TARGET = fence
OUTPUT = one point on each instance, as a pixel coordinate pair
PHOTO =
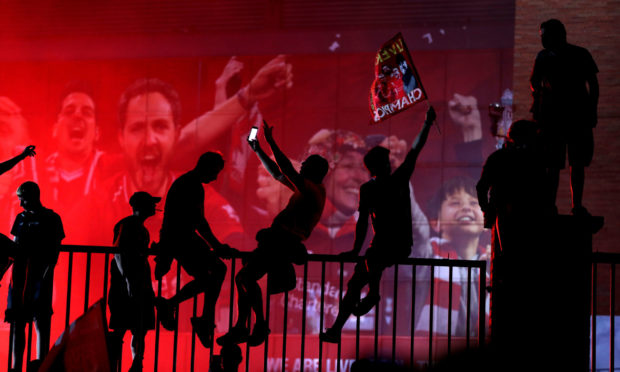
(402, 336)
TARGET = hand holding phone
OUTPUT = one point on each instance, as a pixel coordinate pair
(253, 133)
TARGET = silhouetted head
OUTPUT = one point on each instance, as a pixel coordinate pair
(522, 132)
(314, 168)
(231, 357)
(377, 161)
(552, 34)
(209, 165)
(29, 196)
(143, 203)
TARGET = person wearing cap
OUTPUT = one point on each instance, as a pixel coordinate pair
(38, 232)
(131, 297)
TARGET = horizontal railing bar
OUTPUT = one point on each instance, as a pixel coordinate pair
(311, 257)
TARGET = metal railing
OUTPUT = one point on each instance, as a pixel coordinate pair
(385, 343)
(599, 259)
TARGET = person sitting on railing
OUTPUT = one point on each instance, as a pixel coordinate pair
(131, 299)
(187, 237)
(38, 233)
(385, 198)
(280, 245)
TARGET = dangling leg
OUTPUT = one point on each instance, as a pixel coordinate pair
(137, 350)
(350, 299)
(19, 343)
(577, 179)
(42, 328)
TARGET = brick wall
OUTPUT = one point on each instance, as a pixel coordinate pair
(594, 25)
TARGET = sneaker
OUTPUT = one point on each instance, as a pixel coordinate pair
(366, 304)
(236, 335)
(135, 367)
(330, 335)
(165, 313)
(33, 365)
(259, 334)
(204, 330)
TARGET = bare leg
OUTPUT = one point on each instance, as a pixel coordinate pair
(577, 177)
(19, 342)
(350, 299)
(215, 280)
(243, 302)
(42, 327)
(137, 349)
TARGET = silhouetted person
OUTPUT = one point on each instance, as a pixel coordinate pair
(131, 299)
(228, 360)
(565, 90)
(187, 237)
(385, 199)
(512, 200)
(280, 245)
(38, 232)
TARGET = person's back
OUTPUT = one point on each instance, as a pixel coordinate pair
(303, 211)
(562, 80)
(518, 181)
(184, 208)
(563, 72)
(388, 201)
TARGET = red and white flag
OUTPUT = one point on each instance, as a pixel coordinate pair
(397, 85)
(82, 346)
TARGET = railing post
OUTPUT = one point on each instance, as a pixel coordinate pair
(593, 317)
(482, 300)
(612, 318)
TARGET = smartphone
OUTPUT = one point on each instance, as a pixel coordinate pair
(253, 133)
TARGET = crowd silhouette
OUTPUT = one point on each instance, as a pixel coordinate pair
(509, 193)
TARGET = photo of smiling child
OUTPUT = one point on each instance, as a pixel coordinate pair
(455, 216)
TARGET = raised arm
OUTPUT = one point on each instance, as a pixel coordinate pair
(269, 164)
(9, 164)
(284, 163)
(408, 165)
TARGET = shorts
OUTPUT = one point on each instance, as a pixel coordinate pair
(30, 292)
(579, 142)
(193, 254)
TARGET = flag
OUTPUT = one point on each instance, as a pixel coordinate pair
(397, 85)
(81, 347)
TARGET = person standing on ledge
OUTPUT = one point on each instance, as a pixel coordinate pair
(565, 91)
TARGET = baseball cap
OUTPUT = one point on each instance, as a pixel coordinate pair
(141, 198)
